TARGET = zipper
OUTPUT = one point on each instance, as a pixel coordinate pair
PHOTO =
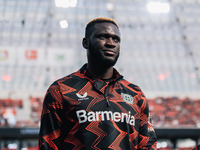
(107, 101)
(107, 95)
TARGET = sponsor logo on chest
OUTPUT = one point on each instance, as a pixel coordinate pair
(127, 98)
(84, 116)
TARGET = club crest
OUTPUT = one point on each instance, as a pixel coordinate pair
(127, 98)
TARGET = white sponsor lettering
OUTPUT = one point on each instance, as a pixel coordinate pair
(116, 116)
(81, 114)
(84, 116)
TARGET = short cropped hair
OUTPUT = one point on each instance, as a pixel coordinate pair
(97, 20)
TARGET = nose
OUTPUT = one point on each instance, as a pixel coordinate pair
(110, 43)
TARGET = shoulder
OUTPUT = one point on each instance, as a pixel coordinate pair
(69, 81)
(134, 89)
(130, 85)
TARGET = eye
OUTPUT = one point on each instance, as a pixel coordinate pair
(116, 39)
(102, 36)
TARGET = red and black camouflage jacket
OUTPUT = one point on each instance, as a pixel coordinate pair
(83, 112)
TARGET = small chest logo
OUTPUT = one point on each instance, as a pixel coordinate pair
(82, 97)
(127, 98)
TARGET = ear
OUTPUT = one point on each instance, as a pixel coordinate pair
(85, 43)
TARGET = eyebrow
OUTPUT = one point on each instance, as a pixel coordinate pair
(109, 35)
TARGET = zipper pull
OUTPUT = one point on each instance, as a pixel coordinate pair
(108, 103)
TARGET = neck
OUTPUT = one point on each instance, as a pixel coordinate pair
(100, 71)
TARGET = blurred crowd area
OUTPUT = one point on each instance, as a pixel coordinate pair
(165, 112)
(175, 112)
(14, 113)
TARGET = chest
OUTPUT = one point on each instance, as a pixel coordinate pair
(88, 102)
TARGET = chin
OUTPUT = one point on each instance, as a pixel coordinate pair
(112, 62)
(102, 60)
(108, 62)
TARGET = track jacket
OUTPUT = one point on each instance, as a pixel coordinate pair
(83, 112)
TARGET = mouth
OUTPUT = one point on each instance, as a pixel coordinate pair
(109, 52)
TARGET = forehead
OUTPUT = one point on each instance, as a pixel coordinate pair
(106, 27)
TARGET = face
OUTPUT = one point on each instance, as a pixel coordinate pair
(104, 44)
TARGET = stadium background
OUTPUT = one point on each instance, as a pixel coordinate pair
(40, 41)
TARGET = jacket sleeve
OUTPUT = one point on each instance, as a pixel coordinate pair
(147, 135)
(51, 120)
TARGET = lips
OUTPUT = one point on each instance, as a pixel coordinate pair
(109, 52)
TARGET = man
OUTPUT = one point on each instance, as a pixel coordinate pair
(95, 108)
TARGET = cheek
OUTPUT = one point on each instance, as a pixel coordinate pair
(118, 48)
(100, 43)
(97, 45)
